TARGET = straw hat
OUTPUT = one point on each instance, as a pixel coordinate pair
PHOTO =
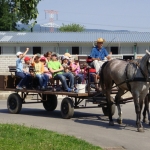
(100, 40)
(68, 55)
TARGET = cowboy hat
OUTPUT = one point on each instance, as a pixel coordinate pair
(100, 40)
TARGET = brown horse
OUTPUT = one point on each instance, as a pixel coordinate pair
(128, 76)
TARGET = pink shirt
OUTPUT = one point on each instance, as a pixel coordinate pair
(47, 72)
(77, 71)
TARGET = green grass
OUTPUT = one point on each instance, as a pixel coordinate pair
(16, 137)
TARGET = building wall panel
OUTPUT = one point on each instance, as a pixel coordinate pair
(86, 50)
(126, 50)
(8, 50)
(63, 50)
(22, 49)
(48, 49)
(141, 49)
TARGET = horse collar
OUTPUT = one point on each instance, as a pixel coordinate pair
(143, 73)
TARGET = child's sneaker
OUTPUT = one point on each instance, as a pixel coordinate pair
(24, 87)
(43, 88)
(19, 88)
(58, 88)
(70, 90)
(76, 90)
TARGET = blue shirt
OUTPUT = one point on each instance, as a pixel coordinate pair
(99, 53)
(19, 65)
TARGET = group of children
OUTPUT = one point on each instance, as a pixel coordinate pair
(48, 66)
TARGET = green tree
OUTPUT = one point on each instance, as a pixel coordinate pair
(26, 10)
(71, 28)
(13, 11)
(7, 19)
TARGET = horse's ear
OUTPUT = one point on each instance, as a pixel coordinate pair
(147, 52)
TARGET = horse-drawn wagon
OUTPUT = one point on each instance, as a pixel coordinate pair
(72, 100)
(49, 97)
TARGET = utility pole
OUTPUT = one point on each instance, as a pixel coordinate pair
(51, 23)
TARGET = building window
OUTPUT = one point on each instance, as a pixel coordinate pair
(36, 50)
(128, 57)
(75, 50)
(114, 50)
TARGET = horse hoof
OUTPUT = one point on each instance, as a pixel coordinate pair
(145, 121)
(119, 121)
(140, 130)
(111, 123)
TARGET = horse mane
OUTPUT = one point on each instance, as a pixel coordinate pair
(143, 63)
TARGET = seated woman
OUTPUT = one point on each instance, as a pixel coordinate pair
(39, 71)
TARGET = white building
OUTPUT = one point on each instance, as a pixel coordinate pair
(126, 45)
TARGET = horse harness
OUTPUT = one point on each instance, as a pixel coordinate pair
(134, 79)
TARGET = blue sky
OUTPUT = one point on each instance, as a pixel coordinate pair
(133, 15)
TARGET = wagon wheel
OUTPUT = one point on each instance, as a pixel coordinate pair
(67, 108)
(14, 103)
(50, 103)
(105, 109)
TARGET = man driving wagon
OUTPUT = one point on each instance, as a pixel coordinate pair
(98, 55)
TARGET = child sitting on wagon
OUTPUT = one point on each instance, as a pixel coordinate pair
(65, 65)
(93, 77)
(46, 70)
(19, 70)
(75, 69)
(58, 73)
(39, 71)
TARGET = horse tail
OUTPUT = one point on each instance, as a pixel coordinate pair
(101, 74)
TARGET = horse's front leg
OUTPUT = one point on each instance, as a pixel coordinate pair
(138, 106)
(117, 100)
(109, 103)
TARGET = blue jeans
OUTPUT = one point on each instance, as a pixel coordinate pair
(91, 77)
(80, 78)
(43, 79)
(29, 81)
(62, 77)
(24, 79)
